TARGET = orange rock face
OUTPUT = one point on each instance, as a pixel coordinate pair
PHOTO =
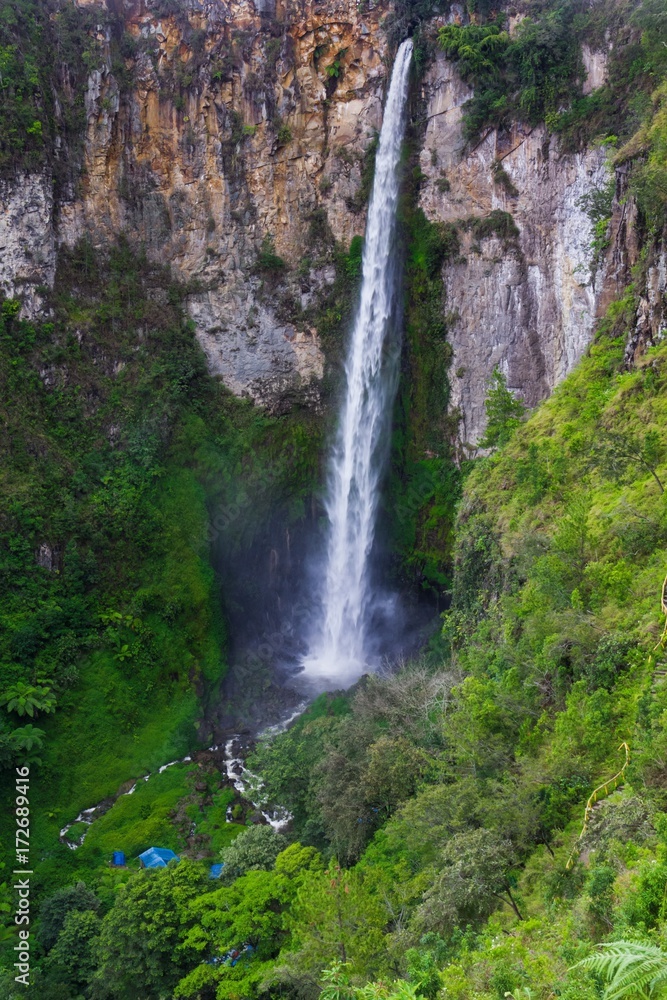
(222, 124)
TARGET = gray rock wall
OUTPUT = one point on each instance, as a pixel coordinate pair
(527, 305)
(27, 240)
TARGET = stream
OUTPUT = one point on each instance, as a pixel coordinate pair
(248, 785)
(341, 647)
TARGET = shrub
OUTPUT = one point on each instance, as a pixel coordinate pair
(256, 849)
(496, 223)
(504, 412)
(268, 260)
(500, 176)
(284, 135)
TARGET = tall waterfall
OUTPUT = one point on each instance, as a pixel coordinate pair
(338, 651)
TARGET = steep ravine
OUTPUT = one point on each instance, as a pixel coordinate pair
(186, 238)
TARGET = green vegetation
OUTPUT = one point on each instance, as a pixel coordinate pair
(528, 76)
(332, 309)
(102, 514)
(503, 412)
(649, 180)
(140, 820)
(268, 261)
(425, 481)
(256, 849)
(537, 74)
(472, 826)
(502, 178)
(46, 53)
(598, 206)
(335, 69)
(436, 810)
(117, 445)
(637, 65)
(284, 135)
(496, 223)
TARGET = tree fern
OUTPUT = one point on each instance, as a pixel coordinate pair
(632, 970)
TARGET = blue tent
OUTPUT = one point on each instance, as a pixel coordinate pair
(118, 859)
(215, 871)
(157, 857)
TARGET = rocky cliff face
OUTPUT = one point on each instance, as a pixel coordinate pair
(27, 240)
(220, 126)
(525, 299)
(217, 128)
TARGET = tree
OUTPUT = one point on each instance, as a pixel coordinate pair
(72, 958)
(504, 412)
(141, 951)
(394, 770)
(618, 451)
(630, 968)
(55, 910)
(377, 755)
(249, 912)
(287, 763)
(476, 876)
(335, 917)
(255, 849)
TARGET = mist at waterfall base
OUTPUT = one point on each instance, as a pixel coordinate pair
(280, 590)
(353, 614)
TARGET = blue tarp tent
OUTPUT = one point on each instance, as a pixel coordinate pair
(215, 871)
(118, 859)
(157, 857)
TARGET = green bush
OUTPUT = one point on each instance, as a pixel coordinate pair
(268, 261)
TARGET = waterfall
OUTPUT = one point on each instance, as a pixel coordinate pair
(338, 650)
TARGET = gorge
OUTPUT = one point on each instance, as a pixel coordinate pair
(333, 533)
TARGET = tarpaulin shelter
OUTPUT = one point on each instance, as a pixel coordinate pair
(157, 857)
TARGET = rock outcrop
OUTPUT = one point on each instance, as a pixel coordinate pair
(27, 240)
(525, 299)
(222, 127)
(214, 125)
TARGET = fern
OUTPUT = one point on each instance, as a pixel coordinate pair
(632, 970)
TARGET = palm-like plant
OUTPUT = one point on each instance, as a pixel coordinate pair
(633, 971)
(28, 738)
(25, 699)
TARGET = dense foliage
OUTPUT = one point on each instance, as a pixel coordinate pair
(435, 809)
(535, 73)
(118, 452)
(47, 50)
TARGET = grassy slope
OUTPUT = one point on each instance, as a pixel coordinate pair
(553, 556)
(114, 457)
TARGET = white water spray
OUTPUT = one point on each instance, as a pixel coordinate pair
(338, 652)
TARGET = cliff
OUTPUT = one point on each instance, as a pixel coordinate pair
(219, 131)
(523, 299)
(217, 127)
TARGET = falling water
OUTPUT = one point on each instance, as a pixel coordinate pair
(338, 652)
